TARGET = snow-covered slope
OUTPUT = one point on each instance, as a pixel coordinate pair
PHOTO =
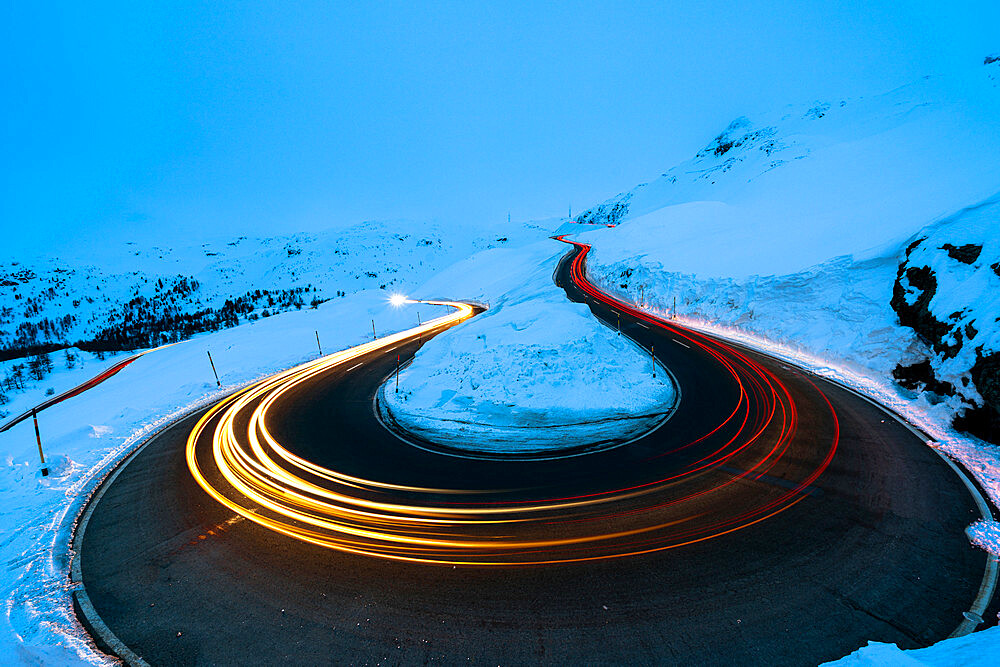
(846, 228)
(981, 649)
(126, 297)
(774, 193)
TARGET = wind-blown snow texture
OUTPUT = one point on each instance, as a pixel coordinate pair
(774, 194)
(535, 374)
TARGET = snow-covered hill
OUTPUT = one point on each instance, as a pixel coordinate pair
(863, 231)
(778, 192)
(115, 297)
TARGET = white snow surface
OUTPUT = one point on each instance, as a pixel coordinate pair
(75, 296)
(535, 374)
(781, 191)
(980, 649)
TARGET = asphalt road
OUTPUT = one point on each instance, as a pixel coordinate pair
(865, 541)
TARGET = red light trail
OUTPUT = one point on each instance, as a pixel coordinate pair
(235, 457)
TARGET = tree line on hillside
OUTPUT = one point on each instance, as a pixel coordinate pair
(144, 322)
(17, 377)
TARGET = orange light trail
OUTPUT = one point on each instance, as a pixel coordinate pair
(237, 460)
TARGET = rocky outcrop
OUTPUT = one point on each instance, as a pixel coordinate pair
(945, 290)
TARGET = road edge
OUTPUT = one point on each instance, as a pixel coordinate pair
(104, 639)
(987, 589)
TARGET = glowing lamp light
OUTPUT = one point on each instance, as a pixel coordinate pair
(397, 300)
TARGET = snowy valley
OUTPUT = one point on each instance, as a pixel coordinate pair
(862, 234)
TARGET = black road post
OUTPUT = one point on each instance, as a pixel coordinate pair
(38, 438)
(397, 373)
(374, 335)
(318, 345)
(215, 372)
(652, 358)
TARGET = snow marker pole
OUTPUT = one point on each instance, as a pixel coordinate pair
(673, 313)
(397, 373)
(215, 372)
(652, 358)
(38, 438)
(418, 318)
(374, 335)
(318, 344)
(619, 322)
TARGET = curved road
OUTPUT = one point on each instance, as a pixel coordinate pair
(786, 520)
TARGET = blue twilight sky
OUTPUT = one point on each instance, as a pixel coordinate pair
(174, 121)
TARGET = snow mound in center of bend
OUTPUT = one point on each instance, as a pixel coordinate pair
(536, 373)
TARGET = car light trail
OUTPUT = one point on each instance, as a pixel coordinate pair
(237, 460)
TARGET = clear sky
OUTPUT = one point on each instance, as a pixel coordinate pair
(173, 121)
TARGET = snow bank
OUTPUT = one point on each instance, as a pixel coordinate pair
(838, 318)
(535, 374)
(976, 650)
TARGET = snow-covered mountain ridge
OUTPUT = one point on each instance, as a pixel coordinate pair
(126, 297)
(793, 188)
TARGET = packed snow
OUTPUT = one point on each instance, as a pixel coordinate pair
(976, 650)
(535, 374)
(779, 191)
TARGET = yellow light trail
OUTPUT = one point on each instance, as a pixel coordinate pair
(257, 477)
